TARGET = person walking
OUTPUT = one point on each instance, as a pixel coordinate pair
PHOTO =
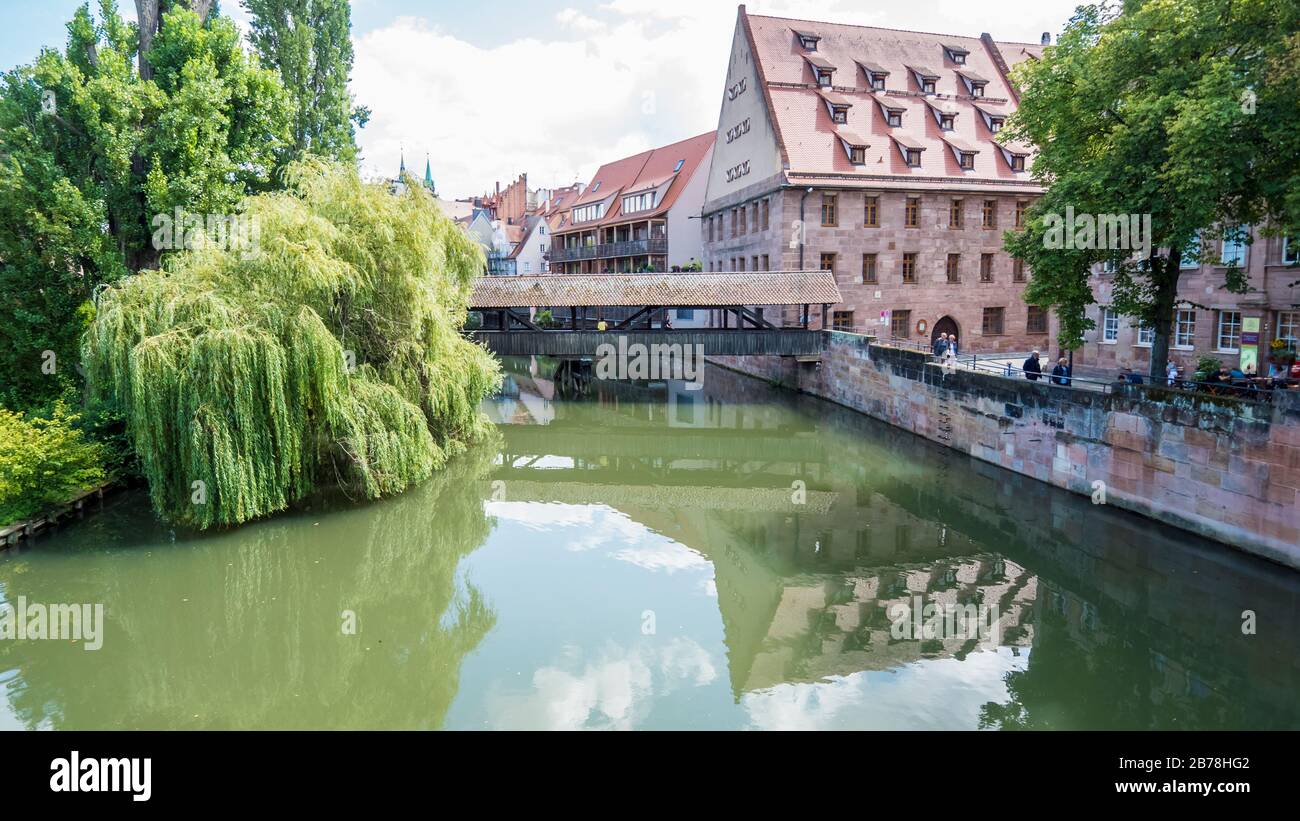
(1171, 372)
(952, 344)
(1032, 368)
(940, 345)
(1061, 373)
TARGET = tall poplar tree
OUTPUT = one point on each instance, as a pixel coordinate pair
(309, 43)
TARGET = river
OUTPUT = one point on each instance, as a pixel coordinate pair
(643, 555)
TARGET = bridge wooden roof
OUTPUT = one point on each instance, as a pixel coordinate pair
(667, 290)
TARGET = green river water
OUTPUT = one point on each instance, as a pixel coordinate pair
(647, 556)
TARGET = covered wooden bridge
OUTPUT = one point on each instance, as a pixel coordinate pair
(758, 313)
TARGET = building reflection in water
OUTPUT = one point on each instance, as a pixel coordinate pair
(1109, 620)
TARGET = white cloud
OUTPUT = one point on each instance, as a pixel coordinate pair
(622, 77)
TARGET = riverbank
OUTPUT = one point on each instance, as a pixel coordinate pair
(1222, 468)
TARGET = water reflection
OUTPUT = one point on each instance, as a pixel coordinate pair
(246, 629)
(642, 555)
(1110, 620)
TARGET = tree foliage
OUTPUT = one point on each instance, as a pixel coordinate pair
(90, 153)
(309, 42)
(1184, 110)
(43, 462)
(331, 355)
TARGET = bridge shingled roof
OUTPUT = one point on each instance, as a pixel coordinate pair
(667, 290)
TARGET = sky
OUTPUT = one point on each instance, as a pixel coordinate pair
(489, 89)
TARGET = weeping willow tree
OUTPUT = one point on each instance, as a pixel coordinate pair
(325, 350)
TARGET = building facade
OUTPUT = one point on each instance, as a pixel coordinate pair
(875, 153)
(637, 214)
(1209, 321)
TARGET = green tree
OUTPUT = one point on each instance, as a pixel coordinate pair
(1181, 110)
(329, 354)
(93, 148)
(309, 42)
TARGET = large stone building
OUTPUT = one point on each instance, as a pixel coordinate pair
(638, 214)
(875, 153)
(1236, 329)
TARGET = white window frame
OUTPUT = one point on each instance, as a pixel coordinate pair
(1194, 248)
(1109, 326)
(1234, 239)
(1288, 327)
(1219, 329)
(1185, 328)
(1290, 248)
(1146, 335)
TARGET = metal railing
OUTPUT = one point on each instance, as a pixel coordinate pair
(607, 250)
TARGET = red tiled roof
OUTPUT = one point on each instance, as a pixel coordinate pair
(809, 137)
(641, 172)
(667, 290)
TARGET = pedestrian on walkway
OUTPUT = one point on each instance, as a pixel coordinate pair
(941, 345)
(1061, 373)
(952, 344)
(1032, 368)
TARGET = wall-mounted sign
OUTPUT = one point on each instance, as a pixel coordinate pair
(1250, 344)
(921, 326)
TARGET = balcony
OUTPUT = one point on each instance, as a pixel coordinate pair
(500, 266)
(609, 250)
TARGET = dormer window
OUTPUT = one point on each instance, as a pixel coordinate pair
(855, 147)
(679, 165)
(913, 156)
(1017, 162)
(894, 117)
(839, 114)
(956, 54)
(967, 160)
(946, 122)
(927, 86)
(823, 77)
(977, 89)
(995, 124)
(858, 155)
(877, 81)
(807, 40)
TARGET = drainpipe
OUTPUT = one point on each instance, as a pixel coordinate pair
(803, 231)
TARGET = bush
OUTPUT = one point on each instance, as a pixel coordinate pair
(1206, 366)
(44, 462)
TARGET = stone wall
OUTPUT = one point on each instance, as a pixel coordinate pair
(1225, 468)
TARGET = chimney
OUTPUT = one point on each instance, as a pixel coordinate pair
(1047, 38)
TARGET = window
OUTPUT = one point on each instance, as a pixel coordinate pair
(740, 263)
(953, 268)
(909, 268)
(808, 41)
(946, 122)
(679, 165)
(912, 213)
(986, 267)
(842, 320)
(1146, 334)
(827, 262)
(927, 86)
(1036, 320)
(894, 117)
(766, 265)
(1234, 248)
(829, 204)
(989, 217)
(1290, 250)
(977, 89)
(955, 213)
(994, 321)
(1288, 328)
(914, 157)
(871, 212)
(742, 220)
(858, 155)
(878, 81)
(766, 212)
(1229, 333)
(1185, 329)
(1017, 162)
(1109, 325)
(900, 324)
(1191, 256)
(1021, 205)
(734, 230)
(840, 114)
(528, 267)
(639, 202)
(588, 212)
(967, 161)
(685, 313)
(995, 124)
(959, 58)
(754, 225)
(710, 222)
(823, 78)
(1018, 270)
(869, 269)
